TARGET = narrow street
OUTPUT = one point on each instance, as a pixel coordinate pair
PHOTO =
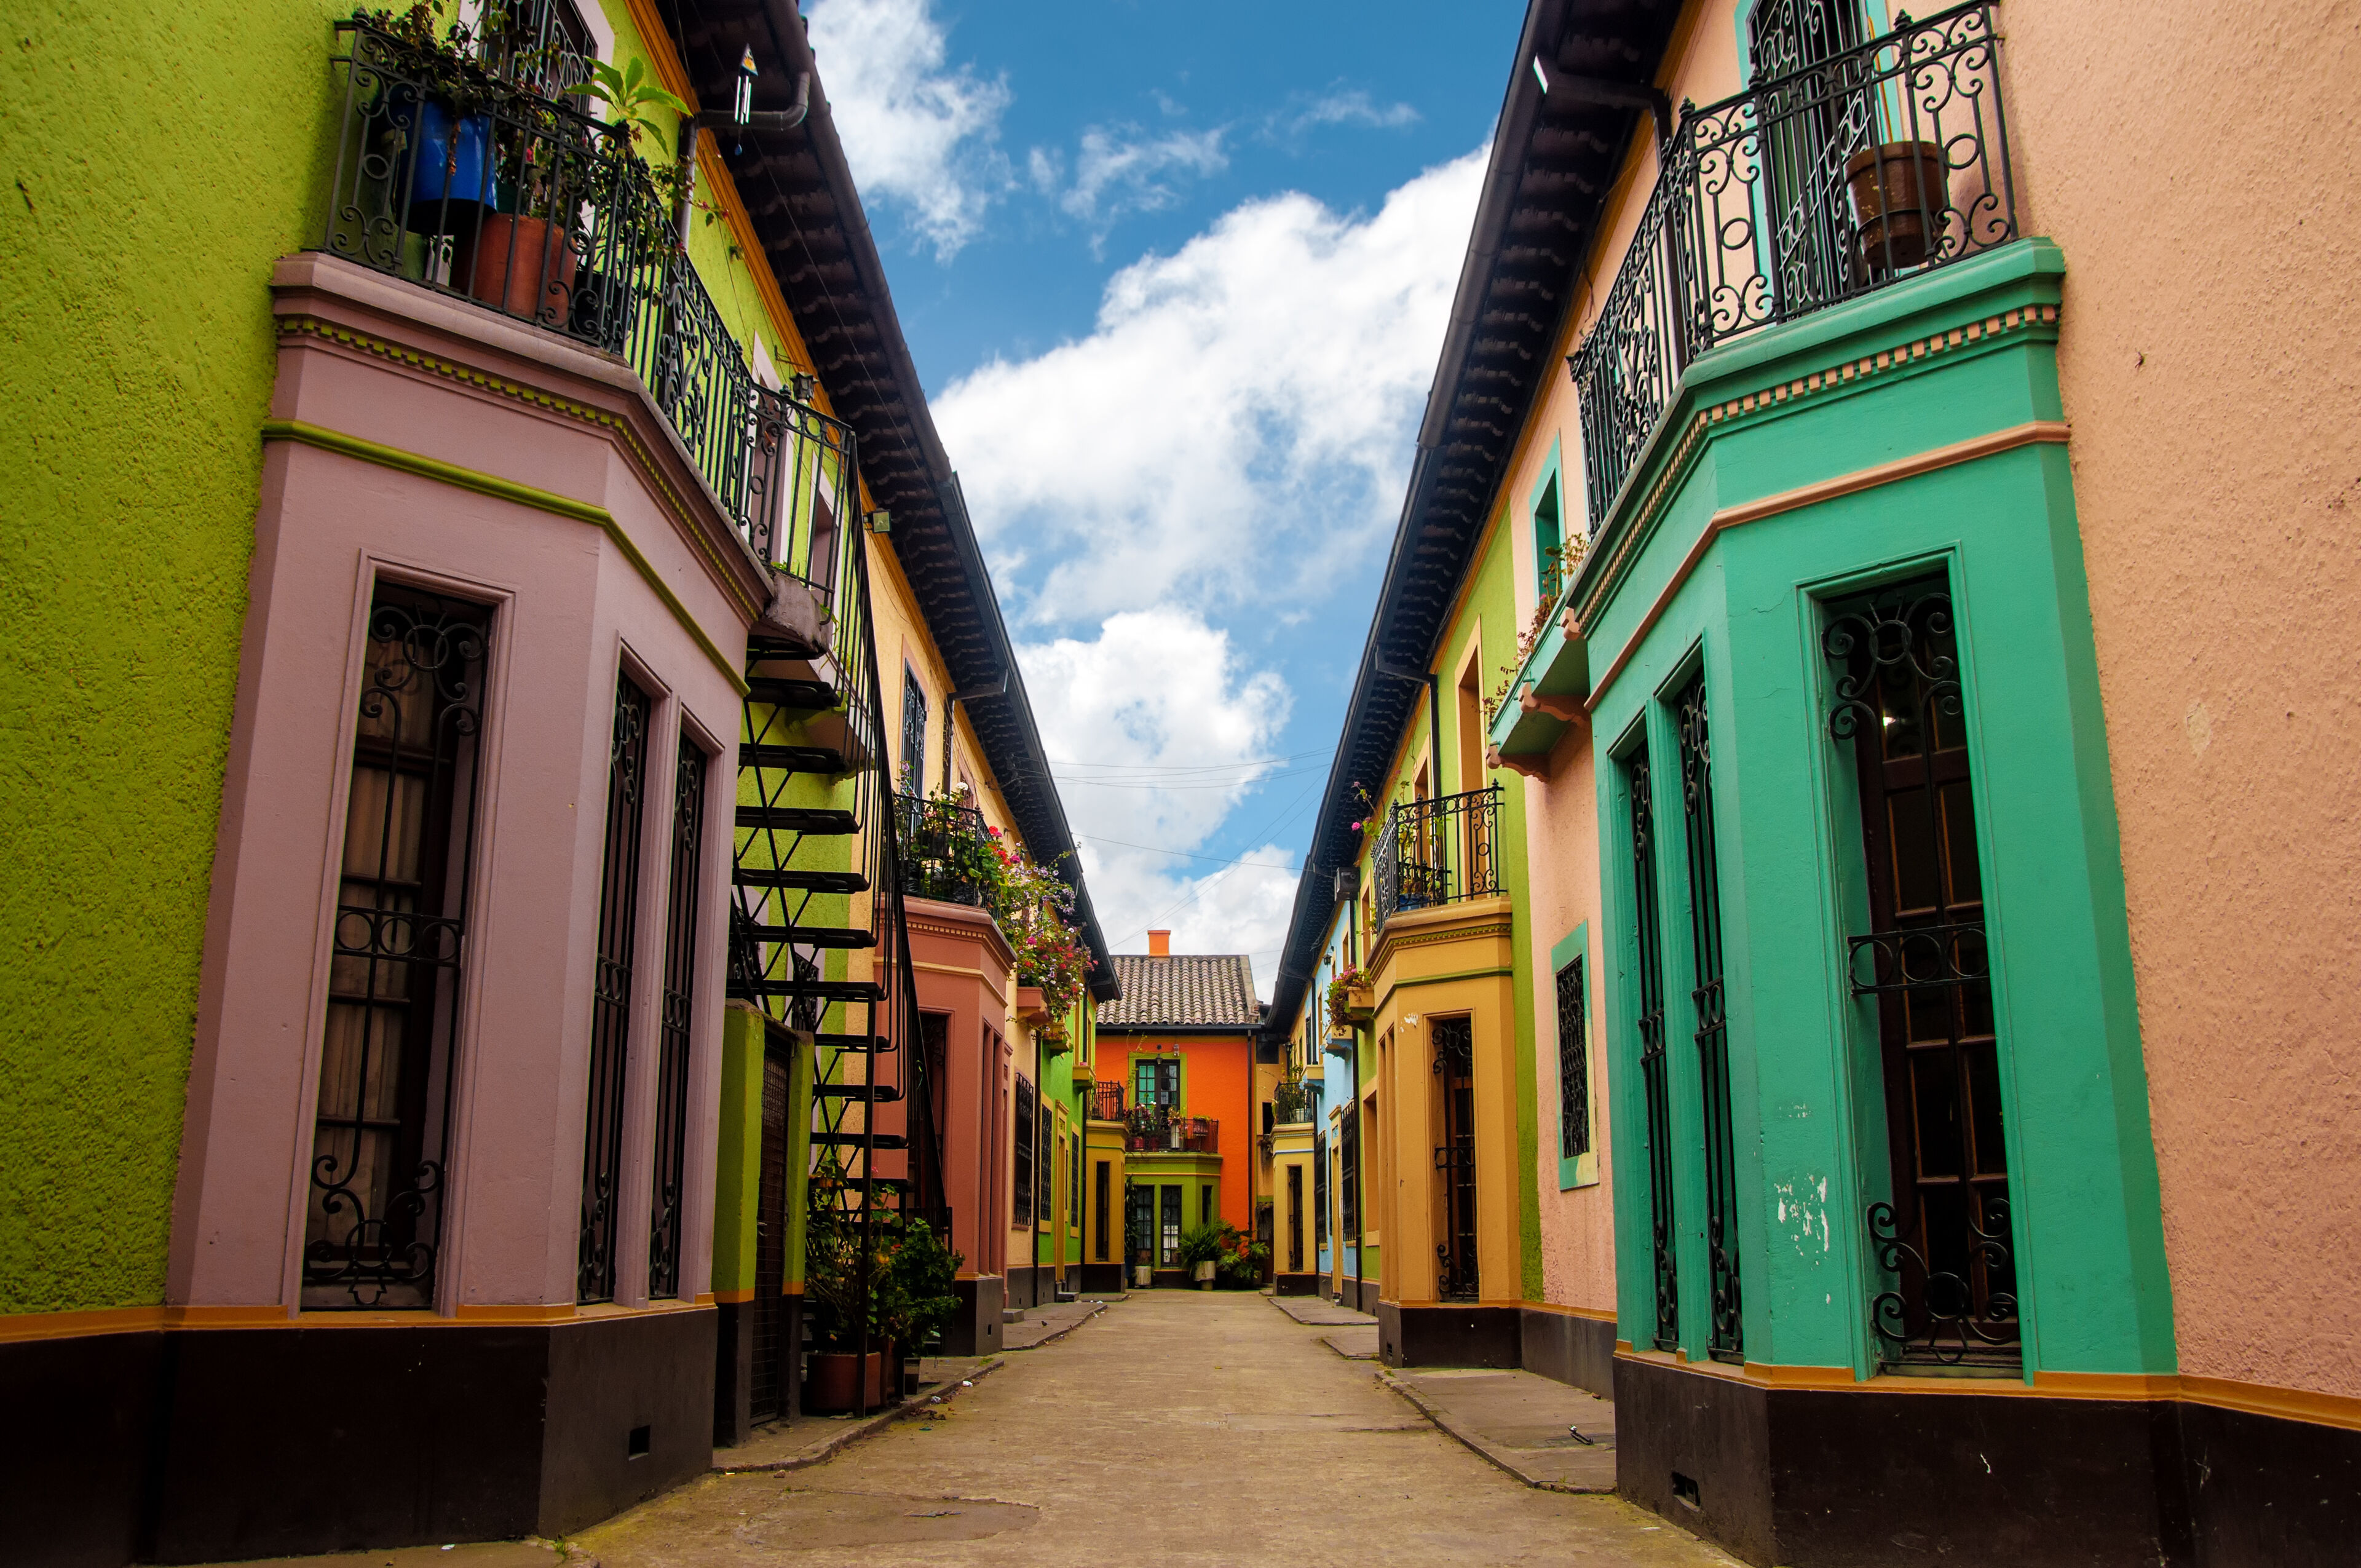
(1175, 1428)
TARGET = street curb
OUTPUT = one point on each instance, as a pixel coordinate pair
(867, 1427)
(1386, 1375)
(1096, 1308)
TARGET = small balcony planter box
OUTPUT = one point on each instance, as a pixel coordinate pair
(1029, 1004)
(1360, 1003)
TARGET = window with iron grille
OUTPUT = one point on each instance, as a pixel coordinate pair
(681, 913)
(1728, 1342)
(1455, 1157)
(389, 1042)
(1044, 1168)
(1100, 1182)
(1648, 1022)
(1943, 1241)
(610, 1004)
(1295, 1219)
(1319, 1190)
(914, 735)
(1024, 1151)
(1573, 1063)
(1348, 1173)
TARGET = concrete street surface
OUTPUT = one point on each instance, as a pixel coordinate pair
(1177, 1428)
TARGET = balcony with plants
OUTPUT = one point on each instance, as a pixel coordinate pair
(1434, 852)
(1858, 172)
(474, 166)
(1159, 1129)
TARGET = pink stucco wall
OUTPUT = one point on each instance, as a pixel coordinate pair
(2195, 163)
(571, 611)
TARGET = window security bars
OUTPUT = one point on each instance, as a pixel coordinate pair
(1863, 164)
(1728, 1339)
(611, 1007)
(1025, 1151)
(389, 1046)
(681, 910)
(1944, 1239)
(1319, 1189)
(1099, 1186)
(1139, 1222)
(1044, 1168)
(481, 183)
(1573, 1063)
(1648, 938)
(1439, 851)
(1348, 1173)
(914, 736)
(1295, 1219)
(1455, 1158)
(946, 849)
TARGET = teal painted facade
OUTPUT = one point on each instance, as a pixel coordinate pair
(1946, 433)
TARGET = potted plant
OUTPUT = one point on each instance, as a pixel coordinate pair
(1202, 1250)
(846, 1277)
(918, 1293)
(1241, 1263)
(1900, 192)
(1349, 1001)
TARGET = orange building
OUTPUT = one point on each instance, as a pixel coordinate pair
(1171, 1144)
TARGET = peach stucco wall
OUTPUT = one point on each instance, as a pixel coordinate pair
(2196, 162)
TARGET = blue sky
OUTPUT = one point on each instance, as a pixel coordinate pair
(1175, 277)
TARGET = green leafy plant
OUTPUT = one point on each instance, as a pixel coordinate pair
(1340, 988)
(921, 1288)
(632, 93)
(1207, 1243)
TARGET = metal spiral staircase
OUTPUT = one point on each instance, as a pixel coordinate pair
(818, 928)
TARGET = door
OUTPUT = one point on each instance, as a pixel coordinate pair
(1168, 1238)
(1455, 1158)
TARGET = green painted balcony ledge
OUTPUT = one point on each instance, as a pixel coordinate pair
(1922, 323)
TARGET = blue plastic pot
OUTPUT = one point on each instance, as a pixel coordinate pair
(449, 167)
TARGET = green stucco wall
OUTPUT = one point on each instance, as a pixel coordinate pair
(159, 161)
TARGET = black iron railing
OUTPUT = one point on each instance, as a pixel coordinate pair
(1156, 1129)
(1866, 167)
(1439, 851)
(946, 851)
(1106, 1103)
(468, 180)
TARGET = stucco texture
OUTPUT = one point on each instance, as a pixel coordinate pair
(159, 161)
(2210, 365)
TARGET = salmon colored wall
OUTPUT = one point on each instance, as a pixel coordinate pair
(2211, 367)
(1218, 1081)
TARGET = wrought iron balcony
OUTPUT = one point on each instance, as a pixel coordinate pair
(1872, 165)
(946, 851)
(1156, 1129)
(1106, 1103)
(469, 180)
(1439, 851)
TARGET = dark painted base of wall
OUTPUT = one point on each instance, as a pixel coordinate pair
(1849, 1479)
(1296, 1284)
(733, 1373)
(1361, 1295)
(1447, 1335)
(1103, 1279)
(198, 1446)
(1580, 1350)
(975, 1329)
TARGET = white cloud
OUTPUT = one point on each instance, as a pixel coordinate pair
(1349, 108)
(1120, 171)
(1236, 428)
(920, 136)
(1158, 731)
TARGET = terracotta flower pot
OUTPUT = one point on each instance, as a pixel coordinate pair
(833, 1382)
(1900, 192)
(524, 266)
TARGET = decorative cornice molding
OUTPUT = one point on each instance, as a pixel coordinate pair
(1391, 944)
(612, 425)
(1845, 373)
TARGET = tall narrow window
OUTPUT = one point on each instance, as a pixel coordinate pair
(1167, 1252)
(1728, 1342)
(1348, 1174)
(1319, 1190)
(1295, 1219)
(914, 734)
(1944, 1238)
(1647, 939)
(1099, 1183)
(380, 1156)
(1139, 1221)
(610, 1004)
(1044, 1168)
(1573, 1063)
(1549, 543)
(1023, 1183)
(1455, 1158)
(681, 913)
